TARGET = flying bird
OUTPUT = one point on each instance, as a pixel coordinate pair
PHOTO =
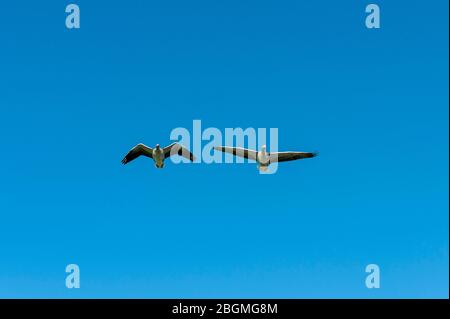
(264, 158)
(158, 154)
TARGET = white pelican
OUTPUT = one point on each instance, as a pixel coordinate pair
(264, 158)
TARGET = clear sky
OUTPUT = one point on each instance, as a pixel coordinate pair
(374, 103)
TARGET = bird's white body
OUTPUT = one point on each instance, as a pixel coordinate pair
(263, 159)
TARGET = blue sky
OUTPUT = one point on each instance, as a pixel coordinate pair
(373, 102)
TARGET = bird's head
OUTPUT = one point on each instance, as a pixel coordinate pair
(157, 146)
(263, 148)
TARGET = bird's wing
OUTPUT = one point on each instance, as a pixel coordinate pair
(238, 151)
(178, 149)
(137, 151)
(290, 156)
